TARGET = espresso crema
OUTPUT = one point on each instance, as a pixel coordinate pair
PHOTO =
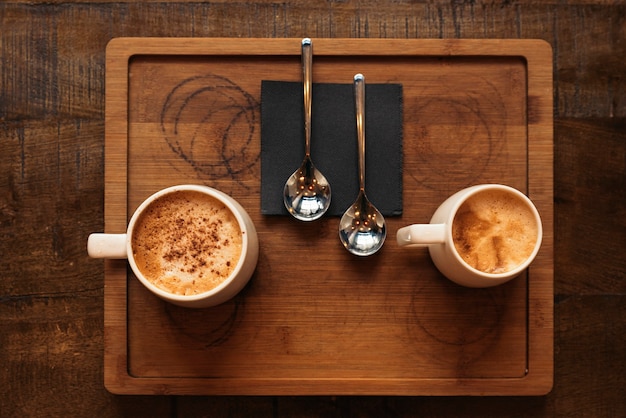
(187, 242)
(495, 231)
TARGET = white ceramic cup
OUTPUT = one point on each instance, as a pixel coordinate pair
(120, 246)
(438, 237)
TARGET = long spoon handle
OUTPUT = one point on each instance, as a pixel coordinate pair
(307, 69)
(359, 107)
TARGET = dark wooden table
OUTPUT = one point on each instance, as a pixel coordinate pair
(52, 94)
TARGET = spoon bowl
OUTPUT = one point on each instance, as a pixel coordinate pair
(362, 229)
(307, 194)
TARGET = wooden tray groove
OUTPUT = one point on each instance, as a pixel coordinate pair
(181, 110)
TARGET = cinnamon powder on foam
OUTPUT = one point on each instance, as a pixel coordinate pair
(187, 243)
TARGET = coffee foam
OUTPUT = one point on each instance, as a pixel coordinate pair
(494, 231)
(187, 242)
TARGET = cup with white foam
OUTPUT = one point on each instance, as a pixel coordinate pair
(481, 236)
(190, 245)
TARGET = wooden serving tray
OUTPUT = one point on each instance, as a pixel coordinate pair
(315, 319)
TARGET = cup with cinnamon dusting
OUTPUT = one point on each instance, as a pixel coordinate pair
(481, 236)
(190, 245)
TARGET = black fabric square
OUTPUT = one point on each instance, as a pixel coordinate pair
(333, 143)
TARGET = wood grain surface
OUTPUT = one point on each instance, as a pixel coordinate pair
(183, 110)
(52, 100)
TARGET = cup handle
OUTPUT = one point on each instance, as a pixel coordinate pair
(421, 235)
(107, 246)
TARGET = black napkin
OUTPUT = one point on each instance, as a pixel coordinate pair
(333, 143)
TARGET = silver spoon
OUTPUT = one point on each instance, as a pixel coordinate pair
(307, 193)
(362, 227)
